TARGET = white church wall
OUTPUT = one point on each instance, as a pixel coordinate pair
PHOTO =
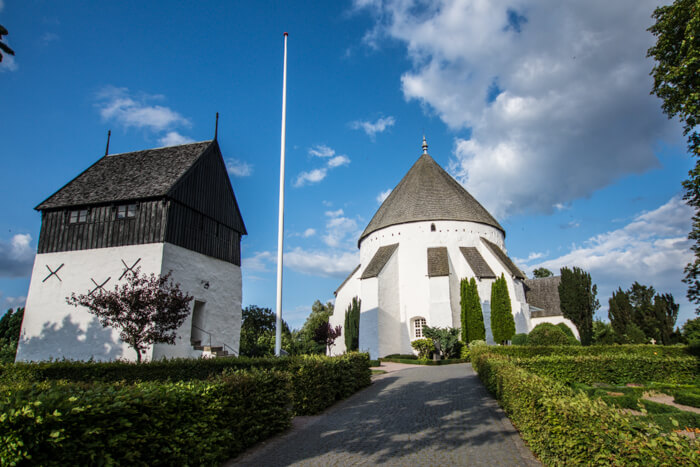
(214, 283)
(342, 301)
(369, 317)
(389, 316)
(52, 329)
(440, 310)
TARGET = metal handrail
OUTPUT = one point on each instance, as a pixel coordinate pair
(205, 331)
(210, 334)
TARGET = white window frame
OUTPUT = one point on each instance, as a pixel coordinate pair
(416, 331)
(126, 211)
(78, 216)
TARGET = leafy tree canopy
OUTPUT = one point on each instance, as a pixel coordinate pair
(144, 309)
(577, 297)
(542, 272)
(258, 332)
(691, 330)
(445, 340)
(10, 327)
(677, 82)
(640, 311)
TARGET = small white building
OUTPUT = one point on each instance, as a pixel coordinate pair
(161, 210)
(427, 235)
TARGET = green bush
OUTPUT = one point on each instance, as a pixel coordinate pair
(519, 339)
(640, 350)
(151, 423)
(424, 347)
(569, 334)
(401, 356)
(547, 334)
(317, 380)
(407, 361)
(612, 369)
(687, 398)
(464, 353)
(565, 427)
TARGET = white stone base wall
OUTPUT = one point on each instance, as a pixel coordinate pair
(52, 329)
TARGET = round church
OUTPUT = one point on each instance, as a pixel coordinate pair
(428, 235)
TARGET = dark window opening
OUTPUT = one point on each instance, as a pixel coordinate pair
(79, 215)
(126, 210)
(432, 227)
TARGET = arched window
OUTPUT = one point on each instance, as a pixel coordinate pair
(418, 324)
(432, 227)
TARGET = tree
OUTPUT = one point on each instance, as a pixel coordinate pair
(445, 340)
(691, 330)
(542, 272)
(4, 47)
(352, 325)
(603, 333)
(144, 309)
(577, 297)
(258, 332)
(472, 316)
(10, 327)
(327, 334)
(502, 322)
(547, 334)
(677, 82)
(318, 316)
(640, 314)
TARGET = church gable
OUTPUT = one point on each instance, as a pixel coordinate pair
(206, 188)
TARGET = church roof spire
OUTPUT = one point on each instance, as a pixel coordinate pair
(428, 193)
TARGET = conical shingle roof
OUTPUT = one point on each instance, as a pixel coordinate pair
(428, 193)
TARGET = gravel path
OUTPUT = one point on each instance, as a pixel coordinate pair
(416, 416)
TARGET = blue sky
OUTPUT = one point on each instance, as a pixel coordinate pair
(541, 109)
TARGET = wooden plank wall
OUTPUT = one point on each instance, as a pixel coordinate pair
(195, 231)
(102, 228)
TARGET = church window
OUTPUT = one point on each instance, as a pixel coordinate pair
(432, 227)
(418, 324)
(79, 215)
(126, 210)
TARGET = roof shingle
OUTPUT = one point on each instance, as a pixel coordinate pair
(438, 263)
(379, 260)
(543, 293)
(128, 176)
(477, 263)
(428, 193)
(507, 262)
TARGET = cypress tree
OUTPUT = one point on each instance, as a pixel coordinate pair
(577, 296)
(474, 316)
(352, 325)
(502, 322)
(463, 305)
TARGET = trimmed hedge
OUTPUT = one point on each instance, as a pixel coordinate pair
(612, 369)
(151, 423)
(691, 399)
(317, 381)
(641, 350)
(447, 361)
(565, 427)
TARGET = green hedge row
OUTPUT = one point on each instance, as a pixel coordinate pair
(147, 424)
(412, 361)
(522, 351)
(317, 381)
(612, 369)
(564, 427)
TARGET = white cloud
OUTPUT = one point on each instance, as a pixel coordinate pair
(129, 110)
(16, 256)
(321, 150)
(8, 63)
(373, 128)
(337, 161)
(48, 37)
(652, 249)
(557, 99)
(239, 168)
(258, 262)
(309, 233)
(323, 264)
(336, 213)
(12, 302)
(381, 197)
(173, 138)
(338, 230)
(2, 4)
(316, 175)
(312, 176)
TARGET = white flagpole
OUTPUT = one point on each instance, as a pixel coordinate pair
(280, 224)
